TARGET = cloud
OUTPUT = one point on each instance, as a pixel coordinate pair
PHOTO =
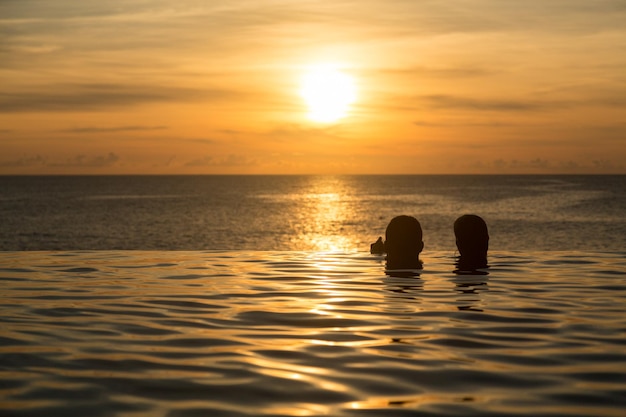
(437, 72)
(94, 161)
(461, 123)
(230, 131)
(448, 14)
(201, 162)
(93, 97)
(223, 161)
(599, 93)
(537, 163)
(37, 9)
(604, 164)
(289, 131)
(25, 161)
(465, 103)
(88, 161)
(203, 141)
(576, 99)
(541, 165)
(95, 129)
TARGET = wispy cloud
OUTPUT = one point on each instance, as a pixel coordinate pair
(221, 161)
(93, 97)
(457, 102)
(89, 161)
(539, 165)
(463, 123)
(204, 79)
(437, 72)
(95, 129)
(25, 161)
(287, 132)
(203, 141)
(86, 161)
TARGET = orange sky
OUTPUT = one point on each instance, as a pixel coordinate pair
(482, 86)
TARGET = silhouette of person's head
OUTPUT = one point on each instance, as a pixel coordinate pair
(472, 241)
(403, 243)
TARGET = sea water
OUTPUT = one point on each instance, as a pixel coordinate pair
(303, 333)
(336, 213)
(275, 307)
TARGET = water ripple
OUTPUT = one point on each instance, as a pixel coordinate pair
(302, 333)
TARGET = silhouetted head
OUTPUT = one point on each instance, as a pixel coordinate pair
(403, 243)
(472, 239)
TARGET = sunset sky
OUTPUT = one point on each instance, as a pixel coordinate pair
(215, 87)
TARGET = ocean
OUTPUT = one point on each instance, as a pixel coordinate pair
(241, 296)
(319, 213)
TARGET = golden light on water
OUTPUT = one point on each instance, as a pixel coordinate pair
(328, 92)
(322, 214)
(328, 210)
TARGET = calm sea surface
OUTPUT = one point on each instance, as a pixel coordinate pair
(343, 213)
(249, 333)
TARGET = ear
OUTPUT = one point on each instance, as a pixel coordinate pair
(420, 246)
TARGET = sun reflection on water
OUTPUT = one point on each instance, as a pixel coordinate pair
(322, 215)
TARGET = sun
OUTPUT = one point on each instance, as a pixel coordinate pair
(328, 93)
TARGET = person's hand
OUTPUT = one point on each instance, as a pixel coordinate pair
(377, 247)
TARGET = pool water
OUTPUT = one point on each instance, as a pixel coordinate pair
(247, 333)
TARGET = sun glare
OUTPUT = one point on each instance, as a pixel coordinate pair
(328, 93)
